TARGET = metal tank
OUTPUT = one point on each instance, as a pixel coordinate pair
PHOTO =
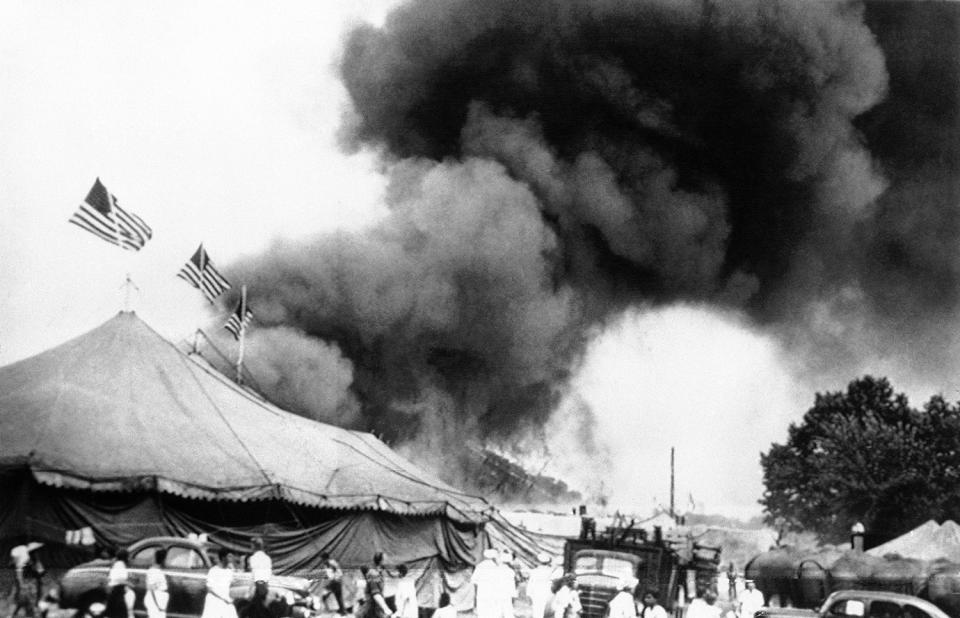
(775, 573)
(814, 578)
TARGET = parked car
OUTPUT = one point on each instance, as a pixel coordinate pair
(186, 568)
(861, 604)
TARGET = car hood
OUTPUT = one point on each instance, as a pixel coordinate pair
(296, 584)
(787, 612)
(99, 562)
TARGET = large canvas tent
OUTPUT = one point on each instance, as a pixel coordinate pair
(121, 432)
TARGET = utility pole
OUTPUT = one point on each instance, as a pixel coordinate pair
(672, 512)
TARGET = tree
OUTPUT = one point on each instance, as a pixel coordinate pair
(865, 455)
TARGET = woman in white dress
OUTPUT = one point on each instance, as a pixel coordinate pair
(406, 595)
(120, 595)
(156, 596)
(218, 603)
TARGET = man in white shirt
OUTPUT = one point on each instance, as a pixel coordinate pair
(540, 585)
(508, 584)
(751, 599)
(260, 564)
(261, 568)
(623, 604)
(566, 602)
(651, 606)
(486, 577)
(704, 606)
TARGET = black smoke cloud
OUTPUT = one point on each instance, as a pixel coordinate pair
(679, 149)
(552, 163)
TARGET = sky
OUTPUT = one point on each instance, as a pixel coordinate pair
(217, 122)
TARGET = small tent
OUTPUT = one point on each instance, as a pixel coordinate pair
(120, 434)
(929, 542)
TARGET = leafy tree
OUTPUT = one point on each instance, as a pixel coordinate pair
(865, 455)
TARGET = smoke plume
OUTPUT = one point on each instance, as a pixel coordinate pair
(553, 163)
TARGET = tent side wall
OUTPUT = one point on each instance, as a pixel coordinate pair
(441, 549)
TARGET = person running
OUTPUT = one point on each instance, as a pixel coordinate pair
(155, 597)
(406, 595)
(333, 581)
(218, 603)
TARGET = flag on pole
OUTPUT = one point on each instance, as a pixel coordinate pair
(239, 319)
(102, 216)
(200, 273)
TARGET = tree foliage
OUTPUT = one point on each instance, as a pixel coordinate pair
(865, 455)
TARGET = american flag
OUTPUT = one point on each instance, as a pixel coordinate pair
(239, 319)
(102, 216)
(200, 273)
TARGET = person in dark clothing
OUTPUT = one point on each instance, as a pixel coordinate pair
(375, 605)
(28, 579)
(333, 576)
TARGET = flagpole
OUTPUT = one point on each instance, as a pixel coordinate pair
(128, 286)
(243, 332)
(116, 236)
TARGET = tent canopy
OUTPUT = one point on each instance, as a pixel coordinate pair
(928, 541)
(122, 409)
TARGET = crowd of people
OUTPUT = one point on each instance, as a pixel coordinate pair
(496, 581)
(551, 591)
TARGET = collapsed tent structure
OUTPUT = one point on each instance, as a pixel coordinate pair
(121, 434)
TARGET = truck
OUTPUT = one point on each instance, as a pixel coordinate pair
(672, 568)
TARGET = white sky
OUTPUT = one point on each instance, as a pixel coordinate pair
(216, 122)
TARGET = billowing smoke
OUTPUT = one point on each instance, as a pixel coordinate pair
(553, 163)
(302, 374)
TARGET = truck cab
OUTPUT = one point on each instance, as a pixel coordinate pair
(598, 572)
(599, 562)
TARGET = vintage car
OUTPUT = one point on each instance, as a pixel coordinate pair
(85, 586)
(861, 604)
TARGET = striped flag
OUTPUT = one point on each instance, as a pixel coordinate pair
(101, 215)
(239, 319)
(200, 273)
